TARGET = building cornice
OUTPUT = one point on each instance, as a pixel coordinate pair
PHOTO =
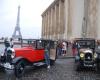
(50, 6)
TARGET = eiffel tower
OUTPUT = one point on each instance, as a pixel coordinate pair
(17, 32)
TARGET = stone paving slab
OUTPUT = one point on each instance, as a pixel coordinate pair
(62, 70)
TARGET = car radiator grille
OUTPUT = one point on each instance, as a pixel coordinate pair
(88, 57)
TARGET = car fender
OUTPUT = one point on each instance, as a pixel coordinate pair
(17, 59)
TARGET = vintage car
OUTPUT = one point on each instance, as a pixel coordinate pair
(31, 53)
(98, 53)
(86, 54)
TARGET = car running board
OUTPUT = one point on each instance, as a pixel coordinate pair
(39, 64)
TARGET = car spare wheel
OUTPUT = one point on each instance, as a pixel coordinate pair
(19, 68)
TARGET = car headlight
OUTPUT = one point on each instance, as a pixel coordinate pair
(95, 55)
(81, 54)
(13, 55)
(11, 51)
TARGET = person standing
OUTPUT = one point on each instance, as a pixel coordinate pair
(74, 48)
(59, 48)
(64, 48)
(7, 47)
(47, 56)
(11, 43)
(6, 43)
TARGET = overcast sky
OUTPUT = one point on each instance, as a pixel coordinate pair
(30, 17)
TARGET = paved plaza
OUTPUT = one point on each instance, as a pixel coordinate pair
(62, 70)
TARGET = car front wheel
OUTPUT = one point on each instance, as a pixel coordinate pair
(19, 69)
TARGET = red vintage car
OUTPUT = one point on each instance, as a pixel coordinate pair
(30, 53)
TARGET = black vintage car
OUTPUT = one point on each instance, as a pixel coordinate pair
(86, 55)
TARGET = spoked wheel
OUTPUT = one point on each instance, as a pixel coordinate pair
(19, 69)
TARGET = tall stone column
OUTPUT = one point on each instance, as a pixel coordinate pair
(98, 21)
(42, 26)
(59, 27)
(46, 25)
(52, 22)
(55, 21)
(49, 24)
(92, 19)
(66, 19)
(85, 19)
(69, 29)
(62, 18)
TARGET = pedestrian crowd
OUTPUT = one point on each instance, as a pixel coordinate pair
(62, 48)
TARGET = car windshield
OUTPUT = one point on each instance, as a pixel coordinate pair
(38, 44)
(86, 43)
(28, 43)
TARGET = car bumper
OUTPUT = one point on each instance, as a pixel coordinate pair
(7, 66)
(88, 63)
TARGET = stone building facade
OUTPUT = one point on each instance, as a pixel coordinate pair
(69, 19)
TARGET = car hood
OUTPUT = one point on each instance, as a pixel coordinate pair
(86, 50)
(23, 48)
